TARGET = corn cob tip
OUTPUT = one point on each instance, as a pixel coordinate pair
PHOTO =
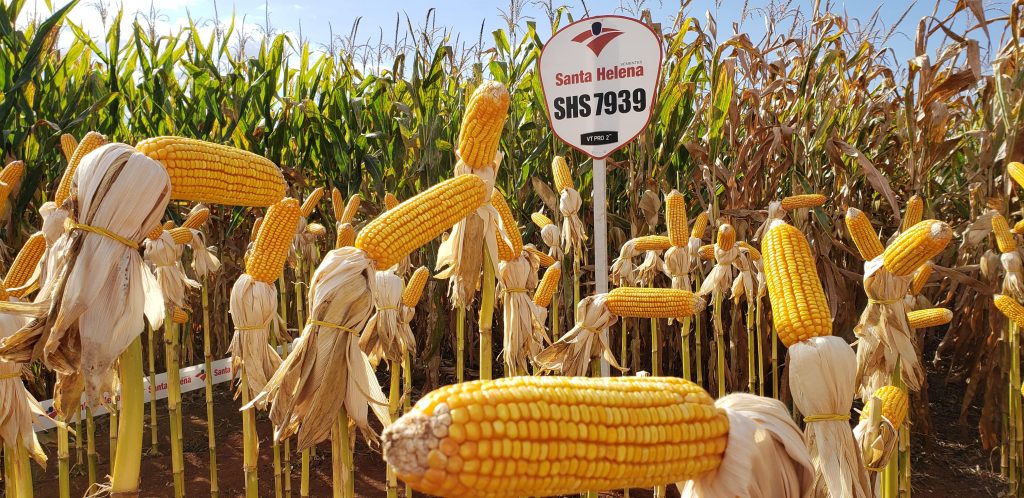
(351, 209)
(337, 203)
(1016, 171)
(726, 237)
(390, 201)
(930, 317)
(540, 220)
(179, 316)
(311, 201)
(863, 234)
(197, 217)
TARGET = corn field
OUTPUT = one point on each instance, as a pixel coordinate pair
(817, 105)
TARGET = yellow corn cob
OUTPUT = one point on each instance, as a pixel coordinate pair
(273, 241)
(351, 208)
(912, 213)
(90, 142)
(700, 223)
(336, 204)
(803, 201)
(196, 218)
(1004, 239)
(540, 220)
(560, 171)
(179, 316)
(798, 301)
(1016, 171)
(169, 224)
(675, 218)
(921, 277)
(482, 124)
(311, 201)
(549, 436)
(915, 246)
(707, 252)
(1010, 307)
(346, 236)
(256, 225)
(397, 232)
(181, 235)
(390, 201)
(25, 262)
(543, 258)
(316, 229)
(930, 317)
(646, 302)
(863, 234)
(1018, 228)
(155, 233)
(5, 192)
(504, 251)
(207, 172)
(414, 288)
(508, 221)
(548, 285)
(651, 243)
(12, 173)
(68, 144)
(726, 237)
(894, 405)
(754, 253)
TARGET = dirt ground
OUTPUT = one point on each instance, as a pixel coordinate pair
(949, 463)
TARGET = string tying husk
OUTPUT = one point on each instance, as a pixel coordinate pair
(765, 456)
(883, 333)
(524, 330)
(327, 370)
(572, 353)
(385, 337)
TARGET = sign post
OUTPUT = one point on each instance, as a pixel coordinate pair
(600, 78)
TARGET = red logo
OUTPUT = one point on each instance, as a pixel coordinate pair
(201, 375)
(597, 37)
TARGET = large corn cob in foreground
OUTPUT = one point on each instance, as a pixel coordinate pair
(544, 436)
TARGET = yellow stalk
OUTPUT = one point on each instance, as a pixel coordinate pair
(112, 430)
(282, 302)
(684, 335)
(486, 316)
(760, 346)
(393, 400)
(63, 463)
(655, 352)
(751, 346)
(304, 479)
(211, 431)
(407, 392)
(174, 404)
(341, 458)
(23, 472)
(250, 449)
(698, 341)
(460, 344)
(775, 362)
(9, 488)
(126, 467)
(154, 442)
(90, 445)
(719, 343)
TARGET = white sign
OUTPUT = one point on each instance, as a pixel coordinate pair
(600, 78)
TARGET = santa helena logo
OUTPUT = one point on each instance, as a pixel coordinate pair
(597, 37)
(201, 375)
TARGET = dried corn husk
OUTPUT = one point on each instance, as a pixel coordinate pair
(204, 261)
(385, 337)
(327, 370)
(765, 457)
(677, 267)
(721, 277)
(165, 256)
(883, 333)
(623, 273)
(1013, 278)
(552, 235)
(303, 244)
(460, 257)
(573, 234)
(822, 376)
(18, 408)
(573, 352)
(876, 439)
(98, 285)
(253, 308)
(522, 339)
(651, 267)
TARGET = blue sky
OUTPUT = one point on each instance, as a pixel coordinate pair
(316, 18)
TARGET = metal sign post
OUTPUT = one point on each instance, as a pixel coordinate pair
(600, 197)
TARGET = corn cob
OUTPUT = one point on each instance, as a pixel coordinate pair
(25, 262)
(316, 229)
(700, 224)
(68, 144)
(5, 192)
(337, 203)
(273, 241)
(390, 201)
(504, 250)
(179, 316)
(726, 237)
(351, 208)
(196, 218)
(256, 225)
(508, 222)
(651, 243)
(645, 302)
(707, 252)
(1001, 230)
(12, 173)
(1016, 171)
(560, 171)
(863, 234)
(1010, 307)
(168, 225)
(754, 253)
(414, 288)
(915, 246)
(540, 220)
(547, 436)
(548, 285)
(207, 172)
(798, 301)
(912, 213)
(346, 236)
(675, 218)
(543, 258)
(311, 201)
(397, 232)
(1018, 228)
(803, 201)
(480, 133)
(931, 317)
(894, 405)
(90, 142)
(181, 235)
(155, 233)
(921, 277)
